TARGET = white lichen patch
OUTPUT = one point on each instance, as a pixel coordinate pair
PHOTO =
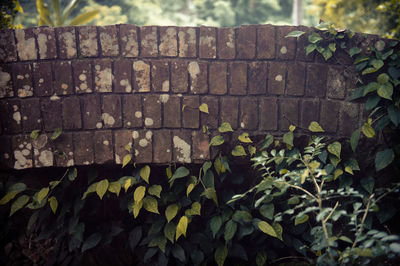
(149, 134)
(278, 78)
(165, 86)
(125, 83)
(106, 142)
(128, 124)
(148, 121)
(150, 41)
(103, 79)
(41, 80)
(107, 44)
(168, 45)
(88, 45)
(5, 84)
(283, 50)
(99, 125)
(25, 117)
(6, 156)
(231, 41)
(208, 41)
(136, 152)
(183, 150)
(25, 91)
(70, 162)
(54, 97)
(22, 155)
(142, 75)
(242, 125)
(117, 159)
(26, 47)
(46, 158)
(131, 45)
(17, 117)
(42, 42)
(138, 114)
(69, 42)
(64, 86)
(82, 77)
(20, 77)
(164, 98)
(183, 44)
(135, 134)
(143, 143)
(107, 119)
(194, 70)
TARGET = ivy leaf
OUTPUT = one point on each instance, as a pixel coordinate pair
(145, 173)
(225, 127)
(181, 227)
(295, 34)
(127, 158)
(348, 169)
(53, 204)
(383, 159)
(310, 48)
(127, 184)
(91, 242)
(240, 216)
(210, 193)
(168, 172)
(377, 63)
(315, 127)
(354, 50)
(267, 228)
(138, 195)
(368, 184)
(394, 114)
(355, 137)
(338, 172)
(217, 140)
(244, 137)
(101, 188)
(215, 224)
(294, 200)
(368, 131)
(204, 108)
(159, 242)
(288, 138)
(261, 258)
(72, 174)
(190, 188)
(137, 206)
(278, 229)
(383, 78)
(195, 209)
(252, 150)
(220, 255)
(230, 230)
(180, 173)
(171, 211)
(301, 219)
(327, 53)
(269, 139)
(35, 134)
(57, 132)
(314, 38)
(115, 187)
(150, 204)
(155, 190)
(169, 231)
(267, 210)
(12, 192)
(238, 151)
(18, 204)
(335, 148)
(42, 194)
(385, 91)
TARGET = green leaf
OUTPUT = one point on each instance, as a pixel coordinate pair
(238, 151)
(295, 34)
(394, 72)
(127, 184)
(91, 189)
(155, 190)
(194, 210)
(190, 188)
(360, 58)
(355, 137)
(327, 54)
(368, 184)
(244, 137)
(293, 200)
(261, 258)
(267, 210)
(315, 127)
(42, 194)
(127, 159)
(225, 127)
(240, 216)
(169, 231)
(150, 204)
(230, 230)
(102, 187)
(372, 102)
(18, 204)
(278, 229)
(252, 150)
(91, 242)
(217, 140)
(181, 227)
(57, 132)
(301, 219)
(180, 173)
(394, 114)
(72, 174)
(171, 211)
(84, 18)
(215, 224)
(210, 193)
(53, 204)
(377, 64)
(137, 206)
(220, 255)
(206, 165)
(115, 187)
(314, 38)
(159, 242)
(269, 139)
(310, 48)
(368, 131)
(145, 173)
(35, 134)
(383, 78)
(204, 108)
(267, 228)
(386, 91)
(335, 148)
(12, 192)
(383, 159)
(288, 138)
(292, 128)
(338, 172)
(354, 50)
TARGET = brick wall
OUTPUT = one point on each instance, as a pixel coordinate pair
(107, 87)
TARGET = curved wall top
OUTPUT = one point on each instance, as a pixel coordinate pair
(107, 87)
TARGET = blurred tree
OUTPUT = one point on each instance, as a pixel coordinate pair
(8, 12)
(108, 15)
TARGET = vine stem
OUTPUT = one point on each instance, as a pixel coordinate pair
(363, 220)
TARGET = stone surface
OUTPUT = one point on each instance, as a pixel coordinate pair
(111, 111)
(30, 113)
(83, 148)
(257, 78)
(296, 73)
(268, 114)
(277, 78)
(172, 112)
(149, 41)
(6, 84)
(122, 76)
(10, 114)
(160, 76)
(309, 112)
(129, 40)
(6, 152)
(302, 43)
(8, 49)
(42, 78)
(123, 139)
(198, 77)
(265, 42)
(43, 155)
(103, 75)
(132, 111)
(143, 146)
(289, 113)
(179, 76)
(64, 146)
(88, 46)
(71, 113)
(200, 144)
(336, 83)
(22, 152)
(152, 111)
(316, 80)
(208, 43)
(248, 113)
(162, 146)
(46, 40)
(237, 78)
(22, 79)
(108, 40)
(229, 111)
(168, 42)
(187, 42)
(211, 119)
(190, 113)
(142, 76)
(26, 45)
(348, 118)
(182, 146)
(286, 47)
(103, 147)
(66, 42)
(246, 42)
(51, 114)
(82, 70)
(329, 116)
(217, 78)
(91, 112)
(63, 84)
(226, 43)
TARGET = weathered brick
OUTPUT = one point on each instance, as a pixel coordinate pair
(6, 89)
(142, 76)
(22, 152)
(179, 76)
(265, 42)
(149, 41)
(108, 40)
(152, 111)
(336, 83)
(309, 112)
(103, 75)
(316, 80)
(122, 76)
(71, 113)
(302, 43)
(65, 152)
(22, 79)
(46, 40)
(111, 116)
(249, 113)
(66, 42)
(276, 78)
(190, 114)
(168, 41)
(268, 114)
(172, 112)
(8, 49)
(83, 148)
(198, 77)
(296, 73)
(10, 115)
(91, 111)
(289, 113)
(187, 42)
(207, 42)
(160, 76)
(51, 114)
(211, 119)
(329, 116)
(286, 47)
(6, 152)
(132, 111)
(237, 78)
(229, 111)
(257, 78)
(103, 147)
(348, 118)
(129, 40)
(181, 141)
(226, 43)
(63, 78)
(26, 46)
(43, 155)
(88, 46)
(143, 148)
(42, 78)
(217, 78)
(246, 42)
(162, 146)
(30, 112)
(122, 139)
(200, 144)
(82, 76)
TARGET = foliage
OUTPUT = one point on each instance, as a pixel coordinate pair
(108, 14)
(9, 10)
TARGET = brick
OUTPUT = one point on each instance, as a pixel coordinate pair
(198, 77)
(187, 42)
(172, 112)
(289, 113)
(207, 42)
(129, 40)
(6, 89)
(132, 111)
(268, 114)
(246, 42)
(66, 42)
(10, 114)
(51, 114)
(83, 148)
(82, 76)
(302, 43)
(30, 112)
(22, 152)
(65, 152)
(249, 113)
(111, 116)
(265, 42)
(122, 76)
(108, 40)
(182, 144)
(142, 144)
(152, 111)
(63, 78)
(217, 78)
(336, 83)
(211, 119)
(142, 76)
(160, 76)
(276, 78)
(6, 152)
(329, 116)
(296, 73)
(103, 75)
(43, 155)
(200, 144)
(122, 138)
(88, 46)
(22, 79)
(103, 147)
(286, 47)
(46, 39)
(162, 146)
(257, 78)
(316, 80)
(168, 41)
(226, 43)
(309, 112)
(179, 76)
(190, 115)
(8, 49)
(348, 118)
(237, 78)
(26, 45)
(71, 113)
(91, 111)
(149, 41)
(42, 78)
(229, 111)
